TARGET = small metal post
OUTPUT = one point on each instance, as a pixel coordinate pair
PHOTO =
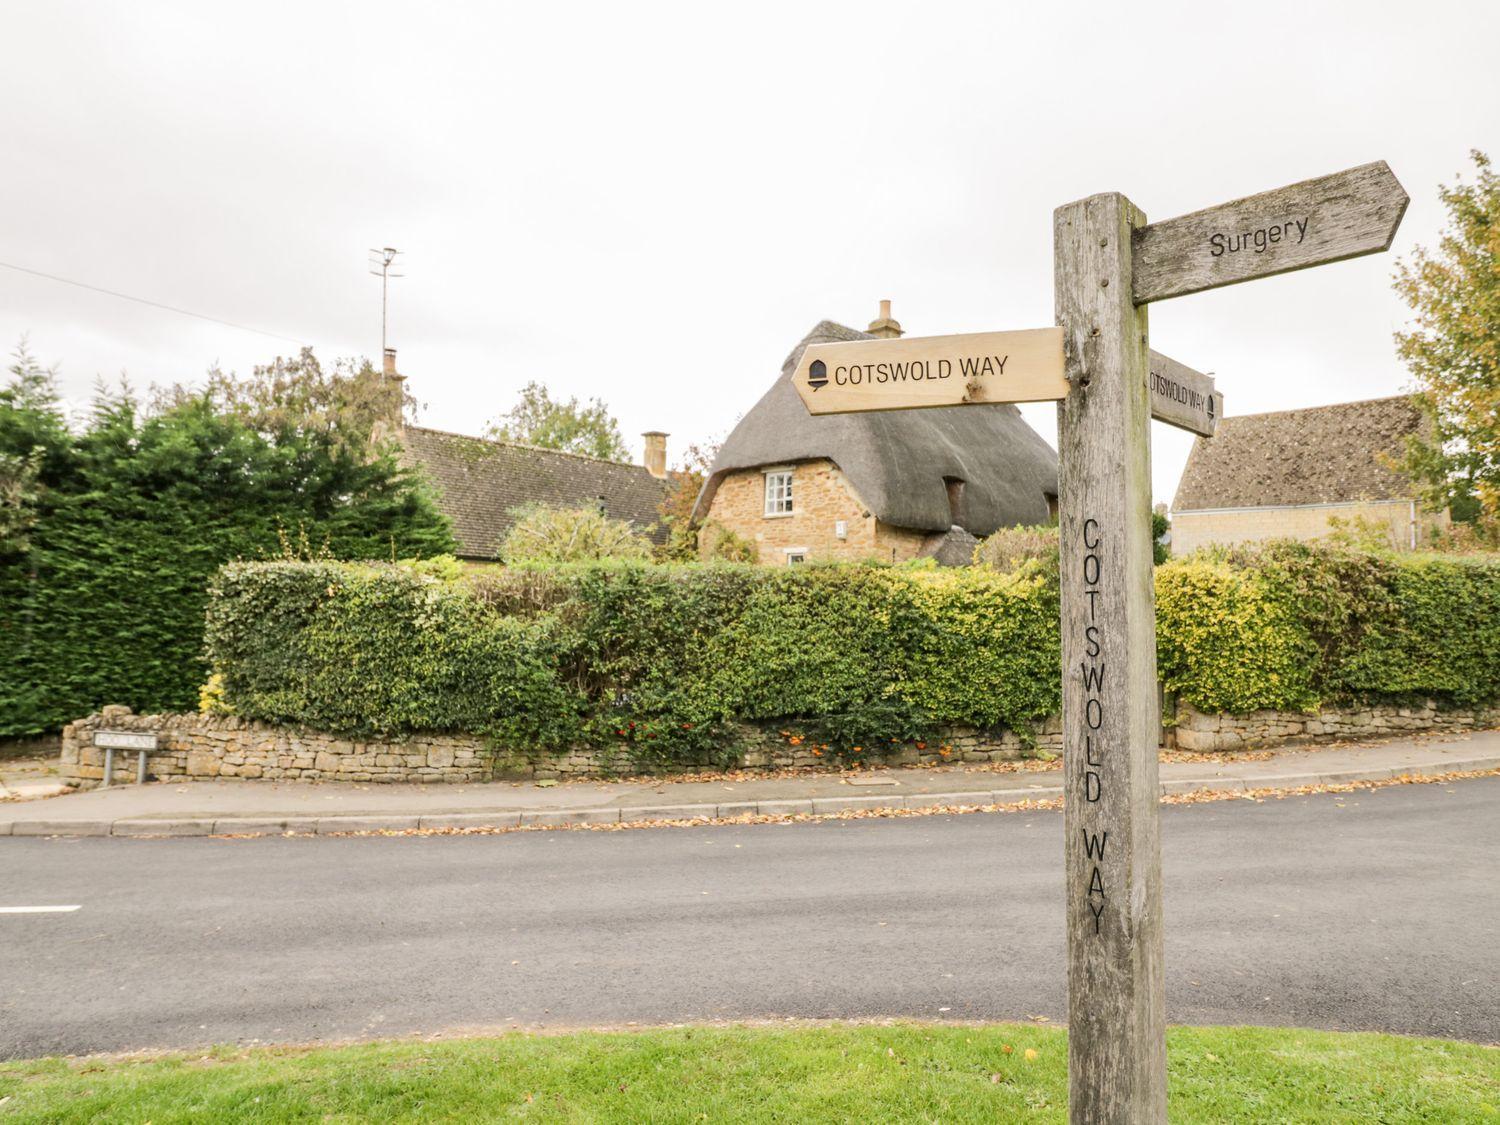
(109, 766)
(140, 770)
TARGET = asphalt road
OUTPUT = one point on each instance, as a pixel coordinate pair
(1375, 910)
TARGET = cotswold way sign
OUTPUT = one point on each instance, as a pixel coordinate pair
(1183, 397)
(1107, 265)
(859, 375)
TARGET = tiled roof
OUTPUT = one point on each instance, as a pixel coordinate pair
(1321, 455)
(899, 461)
(479, 482)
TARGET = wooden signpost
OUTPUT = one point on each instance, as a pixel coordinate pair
(1108, 265)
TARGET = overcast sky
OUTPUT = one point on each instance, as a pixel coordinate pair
(651, 204)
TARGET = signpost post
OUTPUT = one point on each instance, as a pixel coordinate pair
(1108, 265)
(1116, 1010)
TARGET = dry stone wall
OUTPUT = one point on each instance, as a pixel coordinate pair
(203, 747)
(1196, 730)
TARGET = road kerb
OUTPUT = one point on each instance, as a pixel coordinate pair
(472, 820)
(739, 808)
(60, 828)
(968, 799)
(1330, 777)
(555, 817)
(1464, 765)
(1030, 793)
(166, 826)
(789, 808)
(669, 812)
(251, 826)
(334, 825)
(844, 804)
(1197, 784)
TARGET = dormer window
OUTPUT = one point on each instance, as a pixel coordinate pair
(778, 492)
(955, 487)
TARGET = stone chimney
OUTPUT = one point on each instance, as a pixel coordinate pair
(395, 386)
(883, 326)
(656, 453)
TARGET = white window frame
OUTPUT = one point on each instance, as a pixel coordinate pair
(795, 556)
(778, 491)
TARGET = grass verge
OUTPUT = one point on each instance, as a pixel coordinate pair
(803, 1073)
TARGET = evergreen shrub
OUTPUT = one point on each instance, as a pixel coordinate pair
(108, 550)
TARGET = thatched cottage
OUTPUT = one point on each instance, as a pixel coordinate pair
(1287, 474)
(892, 486)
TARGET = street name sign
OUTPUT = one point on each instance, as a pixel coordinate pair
(1312, 223)
(1183, 397)
(124, 740)
(907, 374)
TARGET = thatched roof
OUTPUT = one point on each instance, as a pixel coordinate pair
(954, 547)
(897, 460)
(479, 482)
(1320, 455)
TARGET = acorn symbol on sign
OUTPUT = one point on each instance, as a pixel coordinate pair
(1210, 406)
(817, 375)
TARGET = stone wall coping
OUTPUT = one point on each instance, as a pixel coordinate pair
(204, 746)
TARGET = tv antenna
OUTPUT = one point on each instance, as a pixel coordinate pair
(380, 263)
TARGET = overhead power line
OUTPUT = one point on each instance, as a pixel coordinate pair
(153, 304)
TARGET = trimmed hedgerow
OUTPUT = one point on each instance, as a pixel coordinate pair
(669, 659)
(1290, 625)
(666, 658)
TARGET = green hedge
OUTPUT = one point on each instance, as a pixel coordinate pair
(102, 598)
(1291, 625)
(666, 658)
(671, 658)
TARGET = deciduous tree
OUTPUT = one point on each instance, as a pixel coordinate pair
(1453, 350)
(676, 507)
(571, 426)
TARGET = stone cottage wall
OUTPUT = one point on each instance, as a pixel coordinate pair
(821, 497)
(1227, 526)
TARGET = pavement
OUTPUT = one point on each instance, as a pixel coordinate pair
(27, 778)
(245, 807)
(1371, 909)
